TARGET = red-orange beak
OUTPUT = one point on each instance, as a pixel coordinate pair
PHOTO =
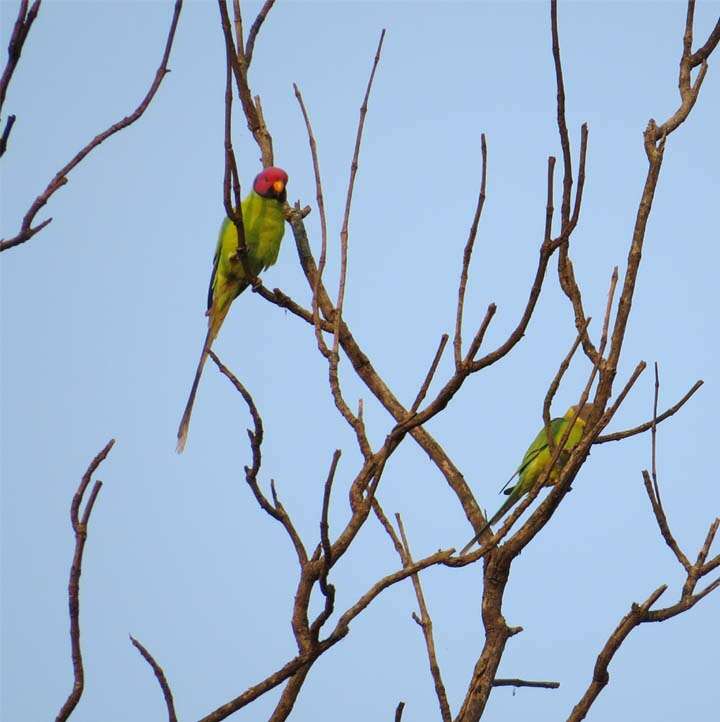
(278, 186)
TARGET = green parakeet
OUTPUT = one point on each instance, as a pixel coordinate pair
(264, 223)
(537, 459)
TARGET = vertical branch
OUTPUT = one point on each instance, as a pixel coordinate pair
(323, 223)
(562, 124)
(348, 201)
(23, 23)
(238, 62)
(467, 255)
(425, 623)
(80, 526)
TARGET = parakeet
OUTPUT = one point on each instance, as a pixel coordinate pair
(264, 224)
(537, 459)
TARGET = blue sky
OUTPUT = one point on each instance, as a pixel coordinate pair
(102, 321)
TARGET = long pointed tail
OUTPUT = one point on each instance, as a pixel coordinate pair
(185, 422)
(497, 515)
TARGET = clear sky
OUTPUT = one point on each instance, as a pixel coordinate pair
(102, 322)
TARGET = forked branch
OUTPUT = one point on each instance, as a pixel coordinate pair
(80, 528)
(27, 230)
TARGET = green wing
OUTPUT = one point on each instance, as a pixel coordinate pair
(537, 447)
(216, 260)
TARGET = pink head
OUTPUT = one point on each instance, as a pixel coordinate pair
(270, 183)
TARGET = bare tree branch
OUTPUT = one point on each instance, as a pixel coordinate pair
(276, 510)
(23, 23)
(160, 675)
(601, 676)
(238, 63)
(430, 374)
(467, 255)
(642, 428)
(425, 623)
(514, 682)
(80, 528)
(348, 200)
(27, 231)
(255, 29)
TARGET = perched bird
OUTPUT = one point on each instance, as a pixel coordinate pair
(264, 224)
(537, 459)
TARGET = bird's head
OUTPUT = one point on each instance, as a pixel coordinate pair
(271, 183)
(584, 412)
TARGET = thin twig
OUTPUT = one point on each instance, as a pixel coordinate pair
(555, 384)
(23, 23)
(467, 255)
(276, 510)
(348, 200)
(6, 134)
(236, 58)
(399, 711)
(514, 682)
(60, 179)
(425, 622)
(255, 29)
(328, 590)
(430, 374)
(642, 428)
(323, 220)
(80, 528)
(160, 675)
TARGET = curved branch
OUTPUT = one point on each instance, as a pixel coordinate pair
(162, 680)
(80, 526)
(27, 231)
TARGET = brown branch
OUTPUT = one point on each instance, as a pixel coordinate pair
(514, 682)
(654, 140)
(6, 134)
(160, 675)
(342, 628)
(238, 64)
(328, 590)
(255, 29)
(642, 428)
(642, 614)
(562, 125)
(437, 558)
(348, 200)
(27, 231)
(365, 371)
(467, 255)
(662, 522)
(80, 528)
(601, 676)
(399, 711)
(425, 623)
(23, 23)
(276, 510)
(555, 385)
(323, 220)
(271, 681)
(653, 490)
(332, 356)
(430, 374)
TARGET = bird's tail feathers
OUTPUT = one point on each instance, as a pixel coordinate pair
(213, 328)
(504, 489)
(492, 520)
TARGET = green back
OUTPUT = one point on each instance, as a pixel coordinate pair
(264, 226)
(537, 457)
